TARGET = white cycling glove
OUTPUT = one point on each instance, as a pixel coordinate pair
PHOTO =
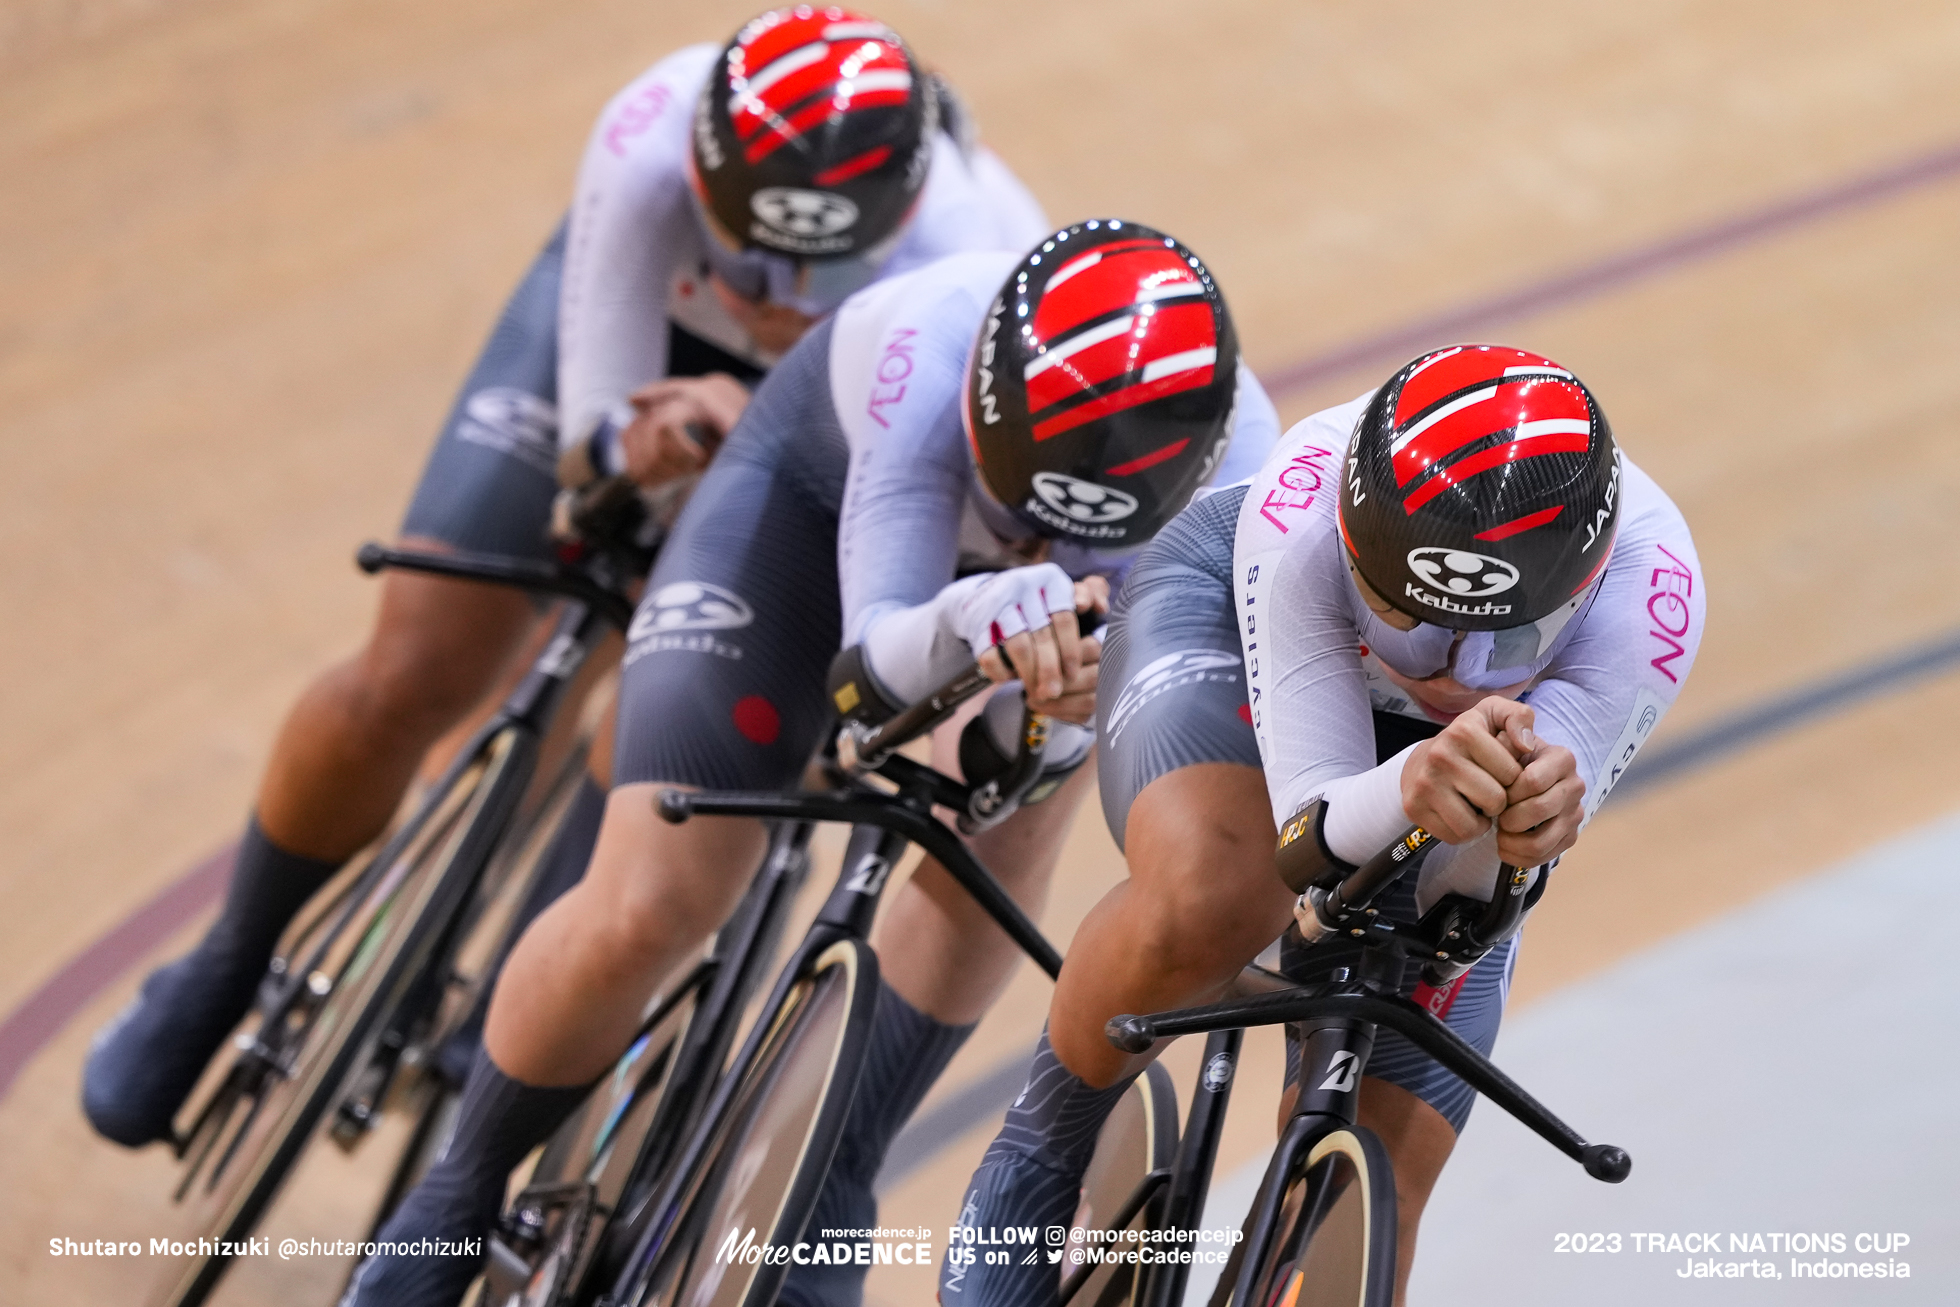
(912, 651)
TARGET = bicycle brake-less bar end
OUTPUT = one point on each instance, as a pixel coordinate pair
(1605, 1162)
(371, 557)
(1130, 1033)
(674, 806)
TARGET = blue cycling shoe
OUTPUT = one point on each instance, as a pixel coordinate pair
(145, 1062)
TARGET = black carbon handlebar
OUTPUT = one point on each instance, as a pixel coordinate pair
(494, 569)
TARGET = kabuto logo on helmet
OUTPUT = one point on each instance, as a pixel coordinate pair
(805, 217)
(1084, 506)
(1462, 573)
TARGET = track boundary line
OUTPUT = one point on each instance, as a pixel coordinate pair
(44, 1013)
(1399, 344)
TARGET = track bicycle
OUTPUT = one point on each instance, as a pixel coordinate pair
(627, 1206)
(376, 977)
(1322, 1227)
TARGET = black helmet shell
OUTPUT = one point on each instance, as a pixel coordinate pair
(1482, 488)
(1101, 388)
(815, 134)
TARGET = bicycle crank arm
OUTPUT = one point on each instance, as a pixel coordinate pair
(1135, 1034)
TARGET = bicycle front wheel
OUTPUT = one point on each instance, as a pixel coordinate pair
(774, 1143)
(1334, 1243)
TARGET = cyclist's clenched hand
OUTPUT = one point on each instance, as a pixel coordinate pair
(1030, 612)
(658, 446)
(1544, 807)
(1076, 701)
(1456, 783)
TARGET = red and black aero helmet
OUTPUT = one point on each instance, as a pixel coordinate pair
(1482, 489)
(1100, 392)
(815, 133)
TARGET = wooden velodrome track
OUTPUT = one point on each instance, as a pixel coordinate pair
(249, 247)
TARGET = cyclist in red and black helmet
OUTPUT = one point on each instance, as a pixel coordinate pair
(631, 343)
(814, 135)
(1103, 384)
(1481, 486)
(849, 510)
(1452, 602)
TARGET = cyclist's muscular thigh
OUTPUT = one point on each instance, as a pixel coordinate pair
(1201, 901)
(575, 986)
(351, 744)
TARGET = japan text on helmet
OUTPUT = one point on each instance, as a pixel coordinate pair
(815, 134)
(1482, 490)
(1099, 396)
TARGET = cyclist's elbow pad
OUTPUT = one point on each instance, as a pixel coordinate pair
(1303, 857)
(856, 691)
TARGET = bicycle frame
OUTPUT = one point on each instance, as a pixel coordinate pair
(882, 826)
(1338, 1024)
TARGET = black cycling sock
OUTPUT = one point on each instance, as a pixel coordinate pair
(907, 1052)
(268, 888)
(1030, 1180)
(562, 867)
(499, 1122)
(1057, 1116)
(147, 1060)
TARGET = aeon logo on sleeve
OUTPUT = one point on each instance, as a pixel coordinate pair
(668, 616)
(802, 218)
(1079, 507)
(1462, 573)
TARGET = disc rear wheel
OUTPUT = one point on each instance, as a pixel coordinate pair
(774, 1144)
